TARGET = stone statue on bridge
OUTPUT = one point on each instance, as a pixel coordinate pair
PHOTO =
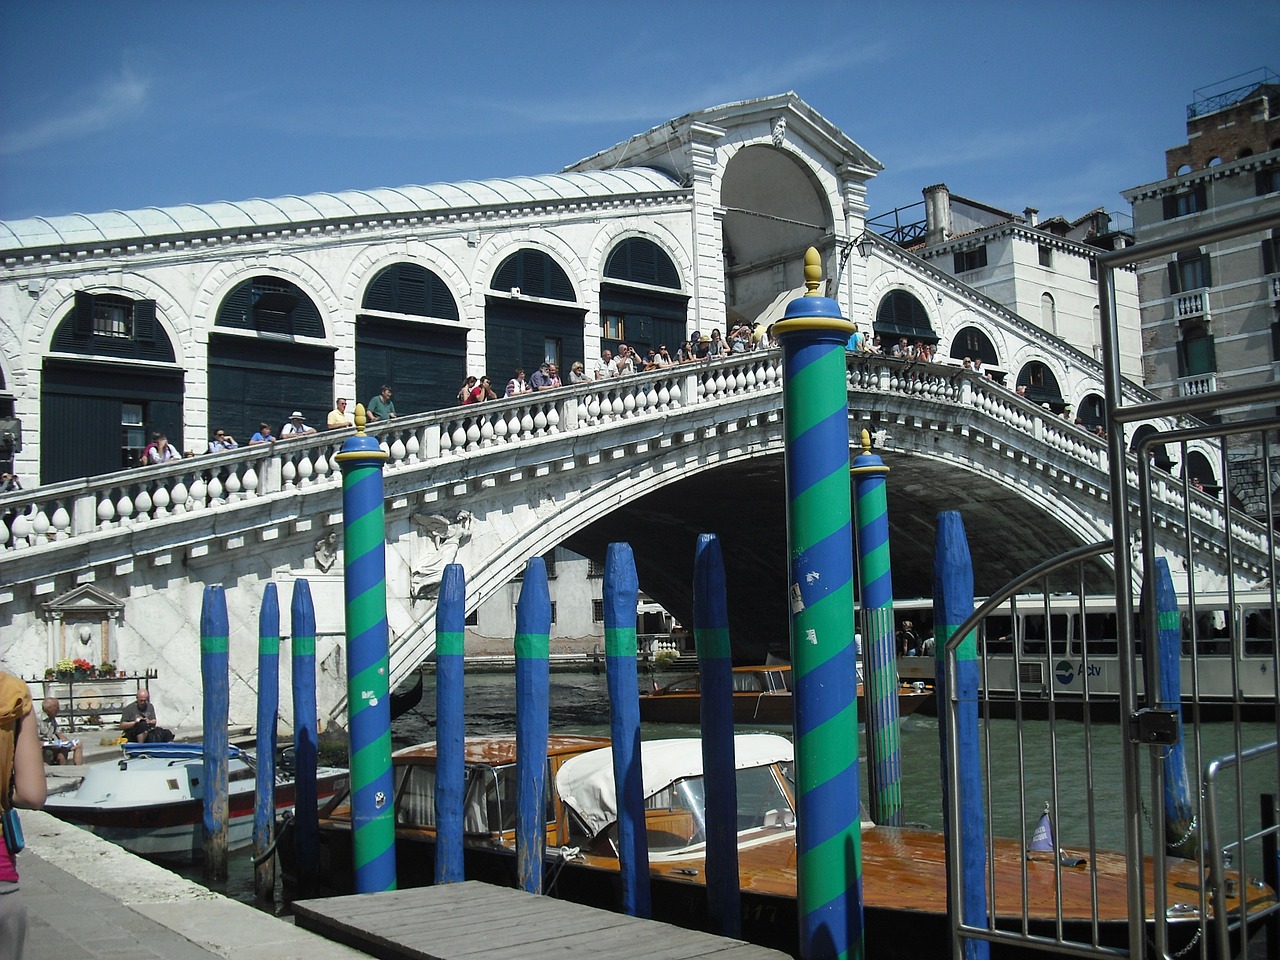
(446, 538)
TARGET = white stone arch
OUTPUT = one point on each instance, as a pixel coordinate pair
(994, 332)
(375, 258)
(227, 274)
(826, 183)
(898, 279)
(495, 249)
(1031, 352)
(58, 298)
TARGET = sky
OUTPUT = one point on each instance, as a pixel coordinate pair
(1055, 105)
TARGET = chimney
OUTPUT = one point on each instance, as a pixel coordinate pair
(1031, 215)
(937, 213)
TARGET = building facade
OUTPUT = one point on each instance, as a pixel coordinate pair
(1211, 314)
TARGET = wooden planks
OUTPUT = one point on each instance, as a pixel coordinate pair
(478, 921)
(481, 922)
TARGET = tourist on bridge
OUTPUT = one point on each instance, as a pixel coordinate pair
(908, 640)
(605, 369)
(381, 407)
(161, 451)
(481, 392)
(221, 441)
(553, 375)
(296, 426)
(541, 379)
(465, 390)
(57, 749)
(515, 386)
(662, 358)
(264, 435)
(577, 374)
(337, 418)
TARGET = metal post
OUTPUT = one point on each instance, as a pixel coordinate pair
(451, 619)
(368, 683)
(715, 664)
(621, 591)
(1179, 814)
(264, 805)
(532, 643)
(215, 680)
(884, 750)
(820, 548)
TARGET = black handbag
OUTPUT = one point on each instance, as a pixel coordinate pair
(13, 838)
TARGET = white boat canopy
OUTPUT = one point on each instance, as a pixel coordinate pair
(585, 782)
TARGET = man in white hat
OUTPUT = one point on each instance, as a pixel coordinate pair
(297, 425)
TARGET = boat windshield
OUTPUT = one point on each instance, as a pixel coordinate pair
(675, 816)
(489, 805)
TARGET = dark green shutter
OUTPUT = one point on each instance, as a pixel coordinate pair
(144, 321)
(83, 326)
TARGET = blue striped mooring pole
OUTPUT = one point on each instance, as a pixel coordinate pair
(815, 404)
(215, 678)
(532, 643)
(306, 815)
(451, 619)
(264, 803)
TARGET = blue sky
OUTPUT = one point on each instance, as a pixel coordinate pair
(1057, 105)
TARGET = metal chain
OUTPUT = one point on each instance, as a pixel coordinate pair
(1191, 828)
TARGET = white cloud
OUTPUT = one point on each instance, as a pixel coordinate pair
(95, 109)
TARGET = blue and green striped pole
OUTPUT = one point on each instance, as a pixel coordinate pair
(879, 649)
(621, 592)
(368, 680)
(306, 815)
(451, 619)
(533, 692)
(820, 547)
(264, 803)
(952, 605)
(715, 665)
(1179, 812)
(215, 678)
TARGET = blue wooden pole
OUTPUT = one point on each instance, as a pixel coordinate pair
(217, 699)
(952, 604)
(815, 405)
(884, 749)
(373, 826)
(715, 664)
(451, 619)
(264, 805)
(1179, 809)
(621, 591)
(532, 642)
(306, 814)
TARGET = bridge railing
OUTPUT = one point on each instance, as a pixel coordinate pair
(58, 512)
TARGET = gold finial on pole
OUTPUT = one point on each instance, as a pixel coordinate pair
(361, 419)
(866, 441)
(812, 272)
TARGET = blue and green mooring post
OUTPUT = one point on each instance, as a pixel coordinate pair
(451, 773)
(533, 685)
(368, 656)
(215, 678)
(264, 803)
(879, 646)
(815, 404)
(306, 747)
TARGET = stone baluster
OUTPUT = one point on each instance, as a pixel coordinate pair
(162, 500)
(106, 509)
(61, 522)
(234, 485)
(289, 473)
(472, 435)
(40, 526)
(21, 531)
(306, 469)
(413, 446)
(398, 451)
(199, 493)
(127, 507)
(552, 414)
(179, 495)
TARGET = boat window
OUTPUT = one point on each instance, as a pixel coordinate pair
(1100, 637)
(1259, 632)
(746, 681)
(684, 685)
(417, 806)
(1035, 631)
(997, 633)
(761, 801)
(1212, 632)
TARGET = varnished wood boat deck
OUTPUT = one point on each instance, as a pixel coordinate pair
(478, 921)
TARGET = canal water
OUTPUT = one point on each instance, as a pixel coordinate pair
(579, 703)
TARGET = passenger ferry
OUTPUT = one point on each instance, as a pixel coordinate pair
(1064, 647)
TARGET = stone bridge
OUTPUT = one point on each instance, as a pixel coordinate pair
(117, 564)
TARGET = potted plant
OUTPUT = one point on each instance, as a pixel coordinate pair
(106, 669)
(82, 669)
(65, 668)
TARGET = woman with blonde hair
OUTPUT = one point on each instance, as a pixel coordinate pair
(22, 784)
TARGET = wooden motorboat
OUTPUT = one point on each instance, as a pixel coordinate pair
(903, 869)
(761, 694)
(151, 800)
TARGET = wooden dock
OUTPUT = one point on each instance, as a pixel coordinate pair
(478, 921)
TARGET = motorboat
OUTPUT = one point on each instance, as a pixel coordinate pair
(151, 800)
(903, 869)
(761, 694)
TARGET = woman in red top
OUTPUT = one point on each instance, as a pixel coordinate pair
(22, 776)
(481, 392)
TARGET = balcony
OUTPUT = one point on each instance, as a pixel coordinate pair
(1275, 289)
(1197, 385)
(1194, 304)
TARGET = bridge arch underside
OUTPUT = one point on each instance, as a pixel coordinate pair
(744, 504)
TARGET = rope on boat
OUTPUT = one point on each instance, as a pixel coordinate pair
(563, 856)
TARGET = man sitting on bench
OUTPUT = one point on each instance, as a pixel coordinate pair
(56, 748)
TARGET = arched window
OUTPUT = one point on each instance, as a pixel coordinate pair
(1048, 313)
(973, 343)
(534, 274)
(1092, 411)
(643, 319)
(1199, 472)
(1041, 385)
(1159, 456)
(410, 289)
(271, 305)
(94, 416)
(902, 315)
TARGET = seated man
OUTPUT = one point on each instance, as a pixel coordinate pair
(56, 748)
(138, 721)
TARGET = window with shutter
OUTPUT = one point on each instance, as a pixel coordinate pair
(1271, 253)
(410, 289)
(639, 260)
(535, 274)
